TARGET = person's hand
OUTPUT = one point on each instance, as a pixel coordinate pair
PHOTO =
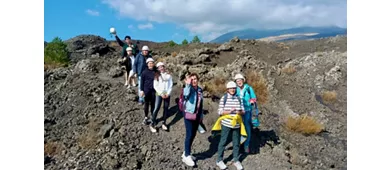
(124, 59)
(188, 80)
(252, 101)
(141, 93)
(135, 74)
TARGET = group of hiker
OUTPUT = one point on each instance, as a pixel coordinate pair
(155, 87)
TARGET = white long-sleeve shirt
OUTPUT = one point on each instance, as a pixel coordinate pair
(163, 85)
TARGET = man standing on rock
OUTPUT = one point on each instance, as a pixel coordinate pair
(127, 44)
(139, 66)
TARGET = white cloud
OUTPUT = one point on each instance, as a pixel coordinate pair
(145, 26)
(92, 12)
(210, 19)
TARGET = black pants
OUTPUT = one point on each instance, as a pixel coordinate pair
(150, 99)
(159, 100)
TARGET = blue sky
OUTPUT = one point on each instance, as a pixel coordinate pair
(165, 20)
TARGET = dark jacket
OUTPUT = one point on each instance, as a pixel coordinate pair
(124, 46)
(140, 63)
(147, 79)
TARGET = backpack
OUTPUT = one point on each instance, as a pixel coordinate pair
(225, 99)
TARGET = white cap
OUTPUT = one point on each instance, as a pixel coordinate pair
(239, 76)
(159, 64)
(112, 31)
(145, 48)
(129, 49)
(231, 84)
(149, 60)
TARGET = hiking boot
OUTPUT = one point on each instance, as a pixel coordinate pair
(221, 165)
(164, 127)
(188, 160)
(238, 165)
(153, 129)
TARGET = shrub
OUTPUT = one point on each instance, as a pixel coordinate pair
(329, 96)
(56, 54)
(174, 54)
(216, 86)
(91, 138)
(184, 42)
(259, 85)
(195, 39)
(52, 148)
(303, 124)
(171, 43)
(288, 69)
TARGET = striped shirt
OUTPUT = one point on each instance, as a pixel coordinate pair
(232, 103)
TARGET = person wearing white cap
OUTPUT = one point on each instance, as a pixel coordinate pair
(147, 89)
(128, 62)
(139, 66)
(230, 106)
(127, 43)
(248, 96)
(163, 86)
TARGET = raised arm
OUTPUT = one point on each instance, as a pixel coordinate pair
(119, 41)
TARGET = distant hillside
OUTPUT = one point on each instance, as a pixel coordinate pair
(322, 32)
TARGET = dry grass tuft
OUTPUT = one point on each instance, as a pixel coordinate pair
(91, 138)
(52, 148)
(53, 66)
(259, 85)
(288, 69)
(174, 54)
(113, 44)
(160, 59)
(329, 96)
(216, 86)
(303, 124)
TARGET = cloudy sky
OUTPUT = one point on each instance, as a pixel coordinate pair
(164, 20)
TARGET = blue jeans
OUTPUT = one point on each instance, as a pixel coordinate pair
(191, 129)
(141, 99)
(248, 126)
(157, 106)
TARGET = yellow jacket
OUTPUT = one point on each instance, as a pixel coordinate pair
(235, 119)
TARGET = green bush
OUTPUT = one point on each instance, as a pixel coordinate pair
(195, 40)
(172, 43)
(56, 53)
(184, 42)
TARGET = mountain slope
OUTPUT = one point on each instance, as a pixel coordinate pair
(257, 34)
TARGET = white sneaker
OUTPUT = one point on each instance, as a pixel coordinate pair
(188, 161)
(164, 127)
(238, 165)
(221, 165)
(128, 86)
(134, 85)
(152, 129)
(201, 130)
(192, 157)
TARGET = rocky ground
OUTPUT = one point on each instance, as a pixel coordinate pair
(93, 122)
